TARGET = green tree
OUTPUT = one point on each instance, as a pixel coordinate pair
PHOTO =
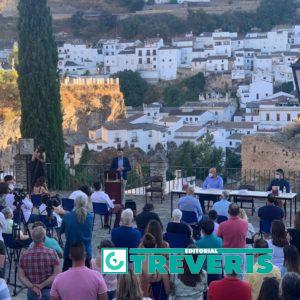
(133, 87)
(38, 81)
(233, 160)
(172, 96)
(78, 23)
(286, 87)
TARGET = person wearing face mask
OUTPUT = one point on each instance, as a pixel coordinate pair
(280, 182)
(213, 180)
(9, 179)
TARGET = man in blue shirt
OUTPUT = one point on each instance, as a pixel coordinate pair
(213, 181)
(190, 203)
(221, 206)
(279, 181)
(126, 236)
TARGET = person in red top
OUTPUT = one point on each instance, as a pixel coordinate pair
(229, 288)
(234, 230)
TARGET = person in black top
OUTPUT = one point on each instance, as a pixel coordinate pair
(270, 211)
(294, 233)
(148, 214)
(38, 164)
(176, 227)
(279, 181)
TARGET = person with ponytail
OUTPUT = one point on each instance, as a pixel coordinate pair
(77, 226)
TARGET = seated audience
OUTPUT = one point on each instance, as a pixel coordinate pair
(4, 291)
(221, 206)
(251, 230)
(291, 261)
(77, 225)
(110, 279)
(270, 212)
(40, 187)
(213, 215)
(230, 287)
(256, 279)
(129, 287)
(38, 266)
(190, 203)
(57, 212)
(277, 242)
(148, 214)
(294, 233)
(208, 239)
(10, 181)
(50, 243)
(233, 232)
(126, 236)
(99, 196)
(155, 229)
(213, 180)
(6, 197)
(279, 181)
(81, 190)
(8, 214)
(175, 226)
(2, 258)
(188, 286)
(79, 282)
(269, 289)
(290, 286)
(26, 208)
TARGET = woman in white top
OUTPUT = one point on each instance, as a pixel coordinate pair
(251, 230)
(277, 242)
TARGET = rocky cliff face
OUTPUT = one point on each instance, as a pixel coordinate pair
(84, 105)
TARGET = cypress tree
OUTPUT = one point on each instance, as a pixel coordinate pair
(39, 86)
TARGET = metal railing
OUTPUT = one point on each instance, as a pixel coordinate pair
(71, 178)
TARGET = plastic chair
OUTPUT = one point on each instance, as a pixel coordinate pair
(36, 200)
(221, 219)
(265, 226)
(101, 209)
(189, 217)
(67, 204)
(177, 240)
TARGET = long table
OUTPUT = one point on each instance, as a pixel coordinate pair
(214, 194)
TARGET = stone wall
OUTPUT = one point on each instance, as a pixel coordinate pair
(262, 152)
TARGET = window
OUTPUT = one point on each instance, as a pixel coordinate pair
(140, 52)
(149, 147)
(288, 117)
(230, 143)
(140, 61)
(148, 114)
(186, 119)
(148, 60)
(154, 52)
(267, 117)
(113, 53)
(257, 96)
(154, 58)
(196, 119)
(150, 134)
(248, 132)
(277, 117)
(148, 52)
(170, 60)
(191, 119)
(154, 66)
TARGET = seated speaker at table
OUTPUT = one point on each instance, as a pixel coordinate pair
(213, 180)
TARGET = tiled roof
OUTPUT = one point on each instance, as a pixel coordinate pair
(189, 129)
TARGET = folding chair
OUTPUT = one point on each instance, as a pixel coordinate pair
(67, 204)
(101, 209)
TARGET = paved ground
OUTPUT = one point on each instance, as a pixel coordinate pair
(164, 212)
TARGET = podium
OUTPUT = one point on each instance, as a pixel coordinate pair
(113, 186)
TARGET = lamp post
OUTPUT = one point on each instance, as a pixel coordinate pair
(296, 74)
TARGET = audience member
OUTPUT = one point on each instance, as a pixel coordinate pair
(230, 287)
(277, 242)
(270, 212)
(251, 230)
(188, 286)
(129, 287)
(185, 186)
(38, 267)
(148, 214)
(77, 226)
(40, 187)
(125, 235)
(291, 261)
(233, 231)
(279, 181)
(10, 181)
(155, 229)
(213, 215)
(294, 233)
(213, 180)
(79, 282)
(290, 286)
(221, 206)
(2, 225)
(83, 190)
(2, 258)
(256, 279)
(6, 197)
(175, 226)
(208, 240)
(50, 243)
(56, 212)
(190, 203)
(99, 196)
(269, 289)
(110, 279)
(4, 291)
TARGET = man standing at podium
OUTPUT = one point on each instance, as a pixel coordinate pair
(122, 165)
